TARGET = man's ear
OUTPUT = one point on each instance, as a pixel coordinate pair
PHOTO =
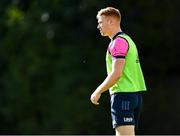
(110, 22)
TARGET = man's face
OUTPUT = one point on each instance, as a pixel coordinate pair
(103, 25)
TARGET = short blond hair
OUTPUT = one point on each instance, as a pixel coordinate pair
(109, 11)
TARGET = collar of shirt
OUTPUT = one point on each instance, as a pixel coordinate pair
(118, 33)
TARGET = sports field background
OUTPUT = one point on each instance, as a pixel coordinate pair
(52, 58)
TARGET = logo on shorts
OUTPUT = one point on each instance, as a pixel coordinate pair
(126, 119)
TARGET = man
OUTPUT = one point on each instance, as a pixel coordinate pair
(125, 79)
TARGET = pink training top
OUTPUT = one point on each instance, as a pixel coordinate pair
(118, 48)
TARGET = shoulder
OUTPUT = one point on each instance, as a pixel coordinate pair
(120, 41)
(119, 46)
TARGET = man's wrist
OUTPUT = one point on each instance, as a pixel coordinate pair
(98, 90)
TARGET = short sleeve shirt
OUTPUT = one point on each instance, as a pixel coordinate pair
(118, 48)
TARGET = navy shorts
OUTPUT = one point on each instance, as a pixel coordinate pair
(125, 108)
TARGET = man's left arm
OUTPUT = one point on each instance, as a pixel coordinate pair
(111, 79)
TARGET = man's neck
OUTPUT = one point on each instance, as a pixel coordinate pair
(113, 33)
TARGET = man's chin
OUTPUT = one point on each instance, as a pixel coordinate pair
(103, 34)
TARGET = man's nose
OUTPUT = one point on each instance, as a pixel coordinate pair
(97, 26)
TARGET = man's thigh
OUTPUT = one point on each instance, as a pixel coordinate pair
(125, 130)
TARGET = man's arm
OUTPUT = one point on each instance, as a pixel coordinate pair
(111, 79)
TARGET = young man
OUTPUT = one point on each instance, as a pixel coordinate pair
(125, 79)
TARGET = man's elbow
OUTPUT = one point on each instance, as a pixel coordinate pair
(117, 76)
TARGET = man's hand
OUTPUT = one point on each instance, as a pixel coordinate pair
(95, 97)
